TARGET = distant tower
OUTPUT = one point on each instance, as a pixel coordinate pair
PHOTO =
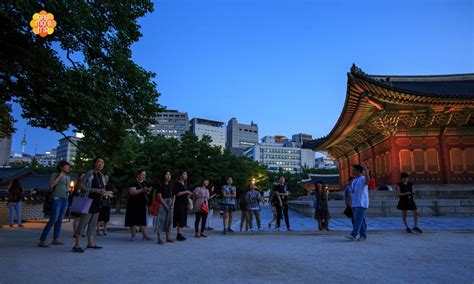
(23, 143)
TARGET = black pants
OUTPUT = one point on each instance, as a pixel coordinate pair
(282, 211)
(200, 216)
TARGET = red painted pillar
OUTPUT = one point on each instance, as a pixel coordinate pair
(394, 160)
(445, 161)
(372, 150)
(341, 175)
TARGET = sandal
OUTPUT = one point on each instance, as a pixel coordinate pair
(169, 241)
(160, 242)
(79, 249)
(94, 247)
(43, 245)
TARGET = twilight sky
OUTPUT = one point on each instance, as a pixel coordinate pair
(284, 64)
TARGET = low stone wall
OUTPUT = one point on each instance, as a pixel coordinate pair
(379, 208)
(29, 211)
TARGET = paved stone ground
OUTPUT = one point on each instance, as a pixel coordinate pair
(300, 257)
(300, 222)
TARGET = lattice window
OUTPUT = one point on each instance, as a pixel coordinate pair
(405, 161)
(456, 160)
(432, 161)
(469, 157)
(419, 161)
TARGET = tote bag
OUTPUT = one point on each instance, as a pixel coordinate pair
(81, 204)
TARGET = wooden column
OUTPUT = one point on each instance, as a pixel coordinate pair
(444, 159)
(372, 152)
(341, 175)
(394, 160)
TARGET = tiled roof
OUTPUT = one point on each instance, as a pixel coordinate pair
(326, 179)
(6, 174)
(446, 86)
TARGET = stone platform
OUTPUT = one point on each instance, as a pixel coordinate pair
(439, 200)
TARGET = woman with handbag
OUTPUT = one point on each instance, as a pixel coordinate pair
(166, 199)
(201, 208)
(59, 183)
(136, 214)
(92, 186)
(406, 203)
(180, 213)
(76, 191)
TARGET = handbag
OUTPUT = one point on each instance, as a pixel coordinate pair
(81, 204)
(348, 212)
(155, 205)
(205, 208)
(190, 204)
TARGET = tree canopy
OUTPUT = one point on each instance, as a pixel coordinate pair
(81, 76)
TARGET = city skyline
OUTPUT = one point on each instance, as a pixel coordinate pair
(284, 66)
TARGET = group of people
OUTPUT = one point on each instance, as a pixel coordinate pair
(357, 202)
(356, 198)
(170, 202)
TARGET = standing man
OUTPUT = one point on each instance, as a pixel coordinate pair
(359, 201)
(229, 193)
(281, 202)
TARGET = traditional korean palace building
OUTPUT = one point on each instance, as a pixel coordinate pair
(423, 125)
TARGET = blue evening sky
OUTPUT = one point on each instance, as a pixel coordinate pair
(284, 64)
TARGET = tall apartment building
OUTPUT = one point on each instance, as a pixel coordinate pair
(170, 124)
(5, 149)
(211, 128)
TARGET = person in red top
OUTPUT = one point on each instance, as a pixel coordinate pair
(373, 182)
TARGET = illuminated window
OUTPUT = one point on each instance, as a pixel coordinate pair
(419, 161)
(432, 164)
(469, 156)
(405, 161)
(456, 160)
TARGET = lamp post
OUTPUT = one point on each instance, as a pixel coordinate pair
(71, 188)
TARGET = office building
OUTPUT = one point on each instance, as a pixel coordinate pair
(170, 124)
(211, 128)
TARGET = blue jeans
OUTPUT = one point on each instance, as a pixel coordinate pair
(15, 207)
(360, 227)
(58, 210)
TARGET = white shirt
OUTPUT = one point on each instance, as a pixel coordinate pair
(359, 193)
